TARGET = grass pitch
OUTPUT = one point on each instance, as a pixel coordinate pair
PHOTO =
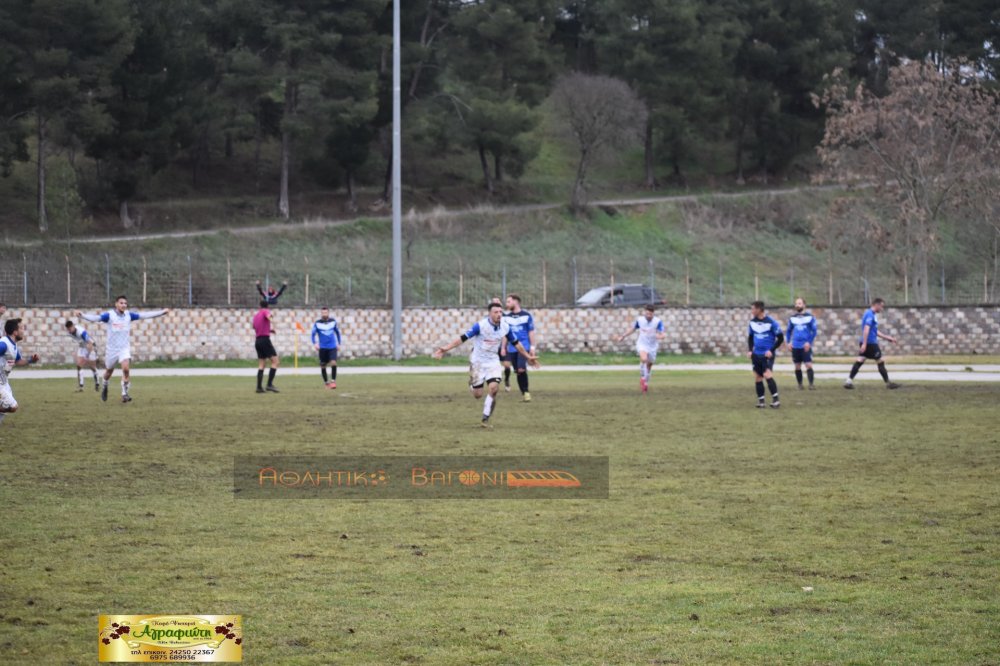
(884, 503)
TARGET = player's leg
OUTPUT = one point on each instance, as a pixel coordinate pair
(324, 360)
(79, 373)
(880, 364)
(110, 361)
(126, 379)
(492, 389)
(275, 361)
(808, 361)
(92, 364)
(758, 386)
(650, 360)
(8, 405)
(521, 367)
(858, 362)
(506, 373)
(643, 367)
(333, 368)
(772, 385)
(260, 374)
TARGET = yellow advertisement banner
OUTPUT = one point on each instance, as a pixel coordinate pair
(167, 638)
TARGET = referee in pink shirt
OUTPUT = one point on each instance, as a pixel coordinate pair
(265, 350)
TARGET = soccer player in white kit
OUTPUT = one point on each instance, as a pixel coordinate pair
(86, 354)
(487, 335)
(10, 355)
(650, 333)
(119, 321)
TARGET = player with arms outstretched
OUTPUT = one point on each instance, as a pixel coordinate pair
(86, 354)
(10, 356)
(119, 345)
(650, 329)
(487, 335)
(764, 339)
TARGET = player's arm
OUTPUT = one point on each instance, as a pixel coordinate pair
(864, 336)
(750, 343)
(660, 333)
(19, 360)
(260, 290)
(441, 351)
(635, 327)
(788, 334)
(532, 358)
(152, 314)
(93, 318)
(886, 337)
(312, 336)
(284, 285)
(779, 337)
(336, 331)
(812, 334)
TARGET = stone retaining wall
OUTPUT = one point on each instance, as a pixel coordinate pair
(225, 333)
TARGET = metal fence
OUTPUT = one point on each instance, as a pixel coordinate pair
(84, 281)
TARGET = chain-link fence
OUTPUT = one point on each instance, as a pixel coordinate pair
(191, 281)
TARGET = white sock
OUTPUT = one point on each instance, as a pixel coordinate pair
(79, 376)
(488, 406)
(649, 372)
(3, 415)
(125, 386)
(642, 370)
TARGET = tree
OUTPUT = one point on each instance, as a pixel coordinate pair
(927, 144)
(67, 50)
(673, 54)
(600, 113)
(501, 64)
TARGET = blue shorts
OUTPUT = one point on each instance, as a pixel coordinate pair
(761, 363)
(327, 355)
(801, 356)
(516, 360)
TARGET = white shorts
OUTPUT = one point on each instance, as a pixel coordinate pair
(114, 359)
(485, 371)
(650, 352)
(83, 356)
(7, 401)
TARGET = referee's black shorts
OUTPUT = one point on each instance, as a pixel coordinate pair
(264, 347)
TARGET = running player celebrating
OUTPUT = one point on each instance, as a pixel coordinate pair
(86, 354)
(800, 336)
(10, 355)
(119, 349)
(487, 336)
(763, 341)
(651, 332)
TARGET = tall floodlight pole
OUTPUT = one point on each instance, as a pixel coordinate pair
(397, 195)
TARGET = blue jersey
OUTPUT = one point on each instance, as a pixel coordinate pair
(801, 329)
(870, 319)
(765, 335)
(327, 332)
(520, 324)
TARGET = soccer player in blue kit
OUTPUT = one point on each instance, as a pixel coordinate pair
(763, 341)
(800, 336)
(325, 337)
(869, 345)
(522, 325)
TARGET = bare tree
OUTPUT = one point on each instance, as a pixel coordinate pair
(601, 114)
(927, 144)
